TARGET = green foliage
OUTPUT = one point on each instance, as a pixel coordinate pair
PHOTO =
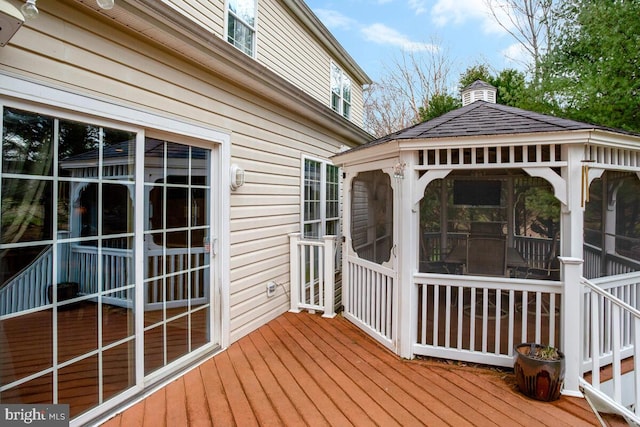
(438, 105)
(592, 72)
(473, 73)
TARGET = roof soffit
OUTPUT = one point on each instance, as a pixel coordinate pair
(158, 22)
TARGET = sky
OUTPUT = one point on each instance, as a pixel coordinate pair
(374, 32)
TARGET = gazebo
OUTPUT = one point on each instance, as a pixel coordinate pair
(490, 226)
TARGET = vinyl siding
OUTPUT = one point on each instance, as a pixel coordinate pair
(284, 45)
(69, 49)
(206, 14)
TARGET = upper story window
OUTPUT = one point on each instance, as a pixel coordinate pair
(241, 29)
(340, 91)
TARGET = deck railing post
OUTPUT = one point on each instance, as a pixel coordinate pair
(329, 277)
(572, 327)
(294, 272)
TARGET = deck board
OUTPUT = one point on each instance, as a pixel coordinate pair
(302, 369)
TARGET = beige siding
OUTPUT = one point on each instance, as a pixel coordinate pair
(66, 48)
(284, 45)
(208, 14)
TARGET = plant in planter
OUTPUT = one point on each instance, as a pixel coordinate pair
(539, 371)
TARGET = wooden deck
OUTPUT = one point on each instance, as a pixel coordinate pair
(302, 369)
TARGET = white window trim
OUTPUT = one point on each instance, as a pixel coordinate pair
(254, 53)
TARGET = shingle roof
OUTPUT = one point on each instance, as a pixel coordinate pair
(482, 118)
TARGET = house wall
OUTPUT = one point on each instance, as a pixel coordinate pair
(70, 48)
(284, 45)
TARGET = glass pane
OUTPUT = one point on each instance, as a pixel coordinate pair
(177, 207)
(199, 205)
(199, 166)
(78, 263)
(155, 207)
(117, 321)
(153, 349)
(154, 264)
(176, 239)
(117, 262)
(117, 209)
(85, 206)
(118, 369)
(153, 294)
(177, 338)
(243, 9)
(79, 379)
(77, 329)
(38, 390)
(17, 358)
(27, 210)
(199, 328)
(335, 79)
(177, 294)
(177, 163)
(78, 149)
(65, 209)
(118, 154)
(240, 35)
(29, 268)
(153, 159)
(27, 143)
(199, 283)
(346, 89)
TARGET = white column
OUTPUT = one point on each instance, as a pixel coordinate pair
(406, 224)
(572, 241)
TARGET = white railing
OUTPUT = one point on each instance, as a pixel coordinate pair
(614, 264)
(28, 289)
(186, 277)
(369, 298)
(535, 250)
(481, 319)
(312, 274)
(612, 335)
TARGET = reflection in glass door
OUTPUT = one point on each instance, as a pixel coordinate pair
(66, 261)
(177, 245)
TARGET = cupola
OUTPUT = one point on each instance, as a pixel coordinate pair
(479, 91)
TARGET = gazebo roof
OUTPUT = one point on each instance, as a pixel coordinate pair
(483, 118)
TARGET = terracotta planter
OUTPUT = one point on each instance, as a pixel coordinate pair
(540, 379)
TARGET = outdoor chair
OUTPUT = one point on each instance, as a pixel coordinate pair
(487, 256)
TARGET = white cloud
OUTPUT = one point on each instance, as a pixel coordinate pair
(458, 12)
(333, 19)
(381, 34)
(517, 55)
(418, 6)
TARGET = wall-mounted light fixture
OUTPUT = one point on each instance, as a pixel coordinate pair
(236, 177)
(398, 170)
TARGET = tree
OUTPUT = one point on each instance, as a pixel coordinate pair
(531, 23)
(592, 72)
(438, 105)
(406, 88)
(386, 110)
